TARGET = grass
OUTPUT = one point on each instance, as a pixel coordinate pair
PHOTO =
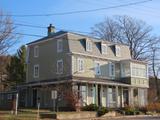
(23, 114)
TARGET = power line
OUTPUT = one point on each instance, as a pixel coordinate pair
(79, 11)
(38, 26)
(17, 33)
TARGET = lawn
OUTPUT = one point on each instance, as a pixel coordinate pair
(23, 114)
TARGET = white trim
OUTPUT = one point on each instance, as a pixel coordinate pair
(110, 69)
(93, 56)
(80, 61)
(58, 61)
(59, 45)
(36, 76)
(36, 51)
(102, 48)
(118, 50)
(89, 45)
(95, 67)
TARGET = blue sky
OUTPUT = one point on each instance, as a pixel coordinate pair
(148, 12)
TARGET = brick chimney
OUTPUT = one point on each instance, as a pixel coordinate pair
(51, 30)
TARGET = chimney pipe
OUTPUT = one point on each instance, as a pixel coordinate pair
(51, 30)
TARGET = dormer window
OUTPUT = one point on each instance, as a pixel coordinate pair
(103, 48)
(118, 51)
(88, 46)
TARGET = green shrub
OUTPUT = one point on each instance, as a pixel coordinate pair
(131, 110)
(91, 107)
(101, 111)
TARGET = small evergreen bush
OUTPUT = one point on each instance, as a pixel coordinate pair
(91, 107)
(101, 111)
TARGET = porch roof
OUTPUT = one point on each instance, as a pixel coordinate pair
(74, 79)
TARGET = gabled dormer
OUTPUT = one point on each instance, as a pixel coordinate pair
(89, 45)
(117, 50)
(103, 48)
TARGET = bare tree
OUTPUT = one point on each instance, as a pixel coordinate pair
(7, 37)
(127, 30)
(154, 64)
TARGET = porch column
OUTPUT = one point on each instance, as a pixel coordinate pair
(96, 94)
(87, 94)
(116, 96)
(122, 101)
(107, 99)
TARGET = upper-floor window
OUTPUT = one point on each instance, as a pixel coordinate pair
(139, 72)
(59, 46)
(60, 66)
(36, 71)
(104, 48)
(118, 51)
(88, 46)
(112, 69)
(97, 68)
(36, 51)
(80, 65)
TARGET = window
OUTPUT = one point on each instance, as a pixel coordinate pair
(97, 68)
(36, 51)
(112, 69)
(88, 45)
(36, 71)
(59, 45)
(122, 70)
(139, 72)
(80, 65)
(118, 51)
(59, 66)
(104, 48)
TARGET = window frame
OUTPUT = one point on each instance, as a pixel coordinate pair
(118, 50)
(36, 51)
(89, 46)
(58, 61)
(59, 42)
(80, 61)
(102, 48)
(36, 76)
(110, 69)
(95, 68)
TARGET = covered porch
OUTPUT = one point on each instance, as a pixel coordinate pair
(107, 93)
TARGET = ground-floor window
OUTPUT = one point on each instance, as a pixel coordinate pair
(111, 97)
(83, 92)
(135, 96)
(141, 96)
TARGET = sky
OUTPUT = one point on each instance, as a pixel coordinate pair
(148, 12)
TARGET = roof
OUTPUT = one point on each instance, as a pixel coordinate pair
(95, 39)
(50, 36)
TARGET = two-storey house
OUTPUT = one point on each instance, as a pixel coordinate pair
(103, 72)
